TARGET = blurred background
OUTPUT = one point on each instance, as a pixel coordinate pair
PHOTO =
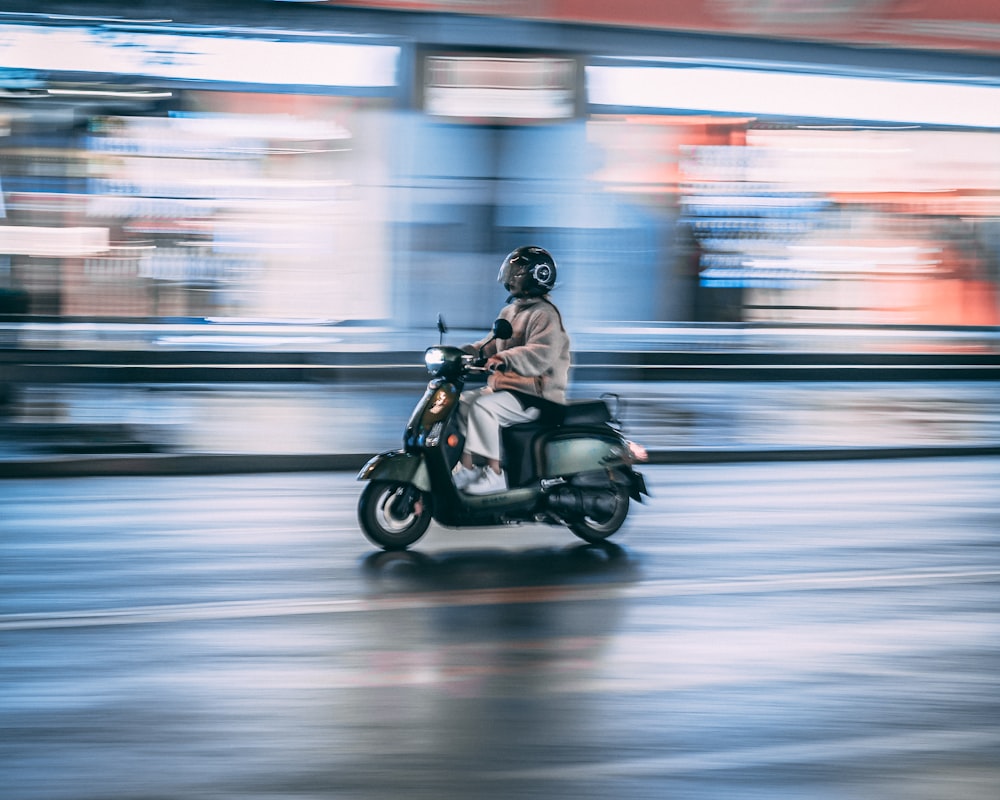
(227, 229)
(756, 175)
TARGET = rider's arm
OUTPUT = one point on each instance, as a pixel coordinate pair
(488, 345)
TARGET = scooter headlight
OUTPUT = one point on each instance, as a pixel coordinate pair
(435, 358)
(444, 360)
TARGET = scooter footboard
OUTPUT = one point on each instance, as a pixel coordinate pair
(397, 465)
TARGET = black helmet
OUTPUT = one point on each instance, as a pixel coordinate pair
(538, 266)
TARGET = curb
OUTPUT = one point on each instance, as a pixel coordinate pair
(236, 464)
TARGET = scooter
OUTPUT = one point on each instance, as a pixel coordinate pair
(572, 466)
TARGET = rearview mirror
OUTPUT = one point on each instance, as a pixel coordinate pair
(502, 329)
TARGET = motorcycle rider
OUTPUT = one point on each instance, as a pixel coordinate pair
(524, 371)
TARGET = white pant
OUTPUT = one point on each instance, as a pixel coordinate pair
(483, 412)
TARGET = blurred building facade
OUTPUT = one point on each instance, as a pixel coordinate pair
(377, 165)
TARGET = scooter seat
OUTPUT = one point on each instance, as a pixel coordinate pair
(578, 412)
(586, 412)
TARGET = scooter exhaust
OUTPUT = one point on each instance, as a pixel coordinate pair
(569, 501)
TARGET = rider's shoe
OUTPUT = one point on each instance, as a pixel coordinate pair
(463, 476)
(489, 482)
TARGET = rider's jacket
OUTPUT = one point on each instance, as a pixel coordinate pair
(536, 359)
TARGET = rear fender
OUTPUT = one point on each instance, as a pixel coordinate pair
(397, 465)
(638, 486)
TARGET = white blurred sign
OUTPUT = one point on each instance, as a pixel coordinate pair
(24, 240)
(796, 95)
(198, 57)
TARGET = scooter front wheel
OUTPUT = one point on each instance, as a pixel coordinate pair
(393, 515)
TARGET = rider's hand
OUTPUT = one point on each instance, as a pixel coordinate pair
(495, 364)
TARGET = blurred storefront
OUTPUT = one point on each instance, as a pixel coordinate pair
(304, 176)
(800, 224)
(181, 184)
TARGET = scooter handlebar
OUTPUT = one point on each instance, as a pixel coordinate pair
(474, 364)
(479, 366)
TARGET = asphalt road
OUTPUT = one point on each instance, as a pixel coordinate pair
(814, 631)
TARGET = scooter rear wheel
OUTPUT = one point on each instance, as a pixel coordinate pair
(594, 530)
(393, 515)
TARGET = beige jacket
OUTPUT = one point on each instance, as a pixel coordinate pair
(536, 359)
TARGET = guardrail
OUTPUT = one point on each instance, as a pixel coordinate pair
(120, 366)
(34, 350)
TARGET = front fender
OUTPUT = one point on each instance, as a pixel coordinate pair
(397, 465)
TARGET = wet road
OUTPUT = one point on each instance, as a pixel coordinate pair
(806, 630)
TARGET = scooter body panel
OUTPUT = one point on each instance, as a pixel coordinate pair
(568, 452)
(431, 414)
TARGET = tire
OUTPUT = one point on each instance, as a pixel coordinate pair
(593, 530)
(384, 523)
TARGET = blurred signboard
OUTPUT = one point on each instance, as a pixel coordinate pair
(31, 240)
(680, 85)
(200, 58)
(500, 87)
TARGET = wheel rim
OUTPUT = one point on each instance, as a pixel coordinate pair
(389, 522)
(592, 530)
(612, 523)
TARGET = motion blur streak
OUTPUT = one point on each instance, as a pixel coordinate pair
(652, 589)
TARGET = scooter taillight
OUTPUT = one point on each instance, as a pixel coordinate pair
(637, 451)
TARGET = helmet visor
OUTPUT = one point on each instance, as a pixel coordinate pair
(512, 268)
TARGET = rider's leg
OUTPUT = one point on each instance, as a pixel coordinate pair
(487, 415)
